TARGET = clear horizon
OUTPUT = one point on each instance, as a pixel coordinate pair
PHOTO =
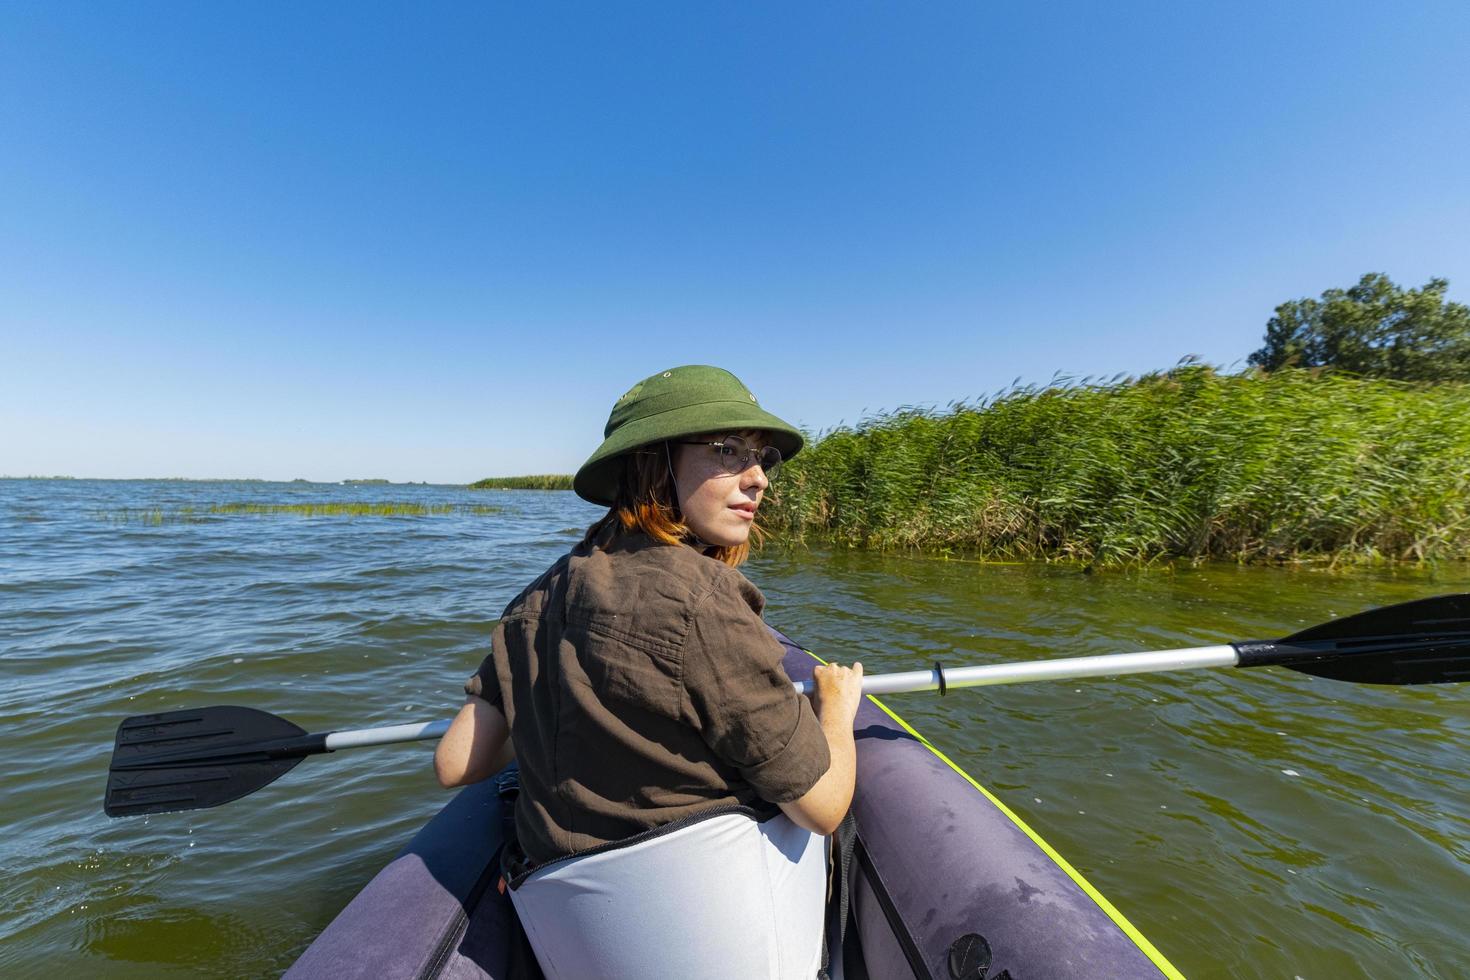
(390, 243)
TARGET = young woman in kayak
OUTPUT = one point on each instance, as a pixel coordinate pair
(674, 789)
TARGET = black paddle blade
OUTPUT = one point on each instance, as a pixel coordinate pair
(189, 760)
(1426, 641)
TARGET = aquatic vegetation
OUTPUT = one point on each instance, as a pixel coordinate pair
(147, 515)
(335, 509)
(548, 481)
(1188, 463)
(326, 508)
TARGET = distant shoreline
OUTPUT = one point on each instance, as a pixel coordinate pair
(233, 479)
(544, 481)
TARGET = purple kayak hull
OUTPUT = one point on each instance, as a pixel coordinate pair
(946, 883)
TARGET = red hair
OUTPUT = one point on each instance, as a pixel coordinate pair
(646, 501)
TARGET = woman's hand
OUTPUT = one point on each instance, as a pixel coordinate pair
(838, 691)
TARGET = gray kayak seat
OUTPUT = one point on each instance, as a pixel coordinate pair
(944, 883)
(725, 896)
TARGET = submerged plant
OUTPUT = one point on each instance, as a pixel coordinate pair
(335, 509)
(328, 508)
(153, 516)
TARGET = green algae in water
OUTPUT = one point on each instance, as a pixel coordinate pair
(339, 509)
(153, 516)
(156, 516)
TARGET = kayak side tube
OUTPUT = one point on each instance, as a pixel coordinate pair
(434, 910)
(947, 877)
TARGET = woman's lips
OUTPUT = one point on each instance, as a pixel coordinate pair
(746, 512)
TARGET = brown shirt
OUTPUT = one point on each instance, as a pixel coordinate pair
(642, 686)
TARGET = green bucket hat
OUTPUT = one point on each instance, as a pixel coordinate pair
(681, 401)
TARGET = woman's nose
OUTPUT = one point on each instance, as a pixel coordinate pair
(754, 476)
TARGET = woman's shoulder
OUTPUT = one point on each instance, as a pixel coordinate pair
(531, 599)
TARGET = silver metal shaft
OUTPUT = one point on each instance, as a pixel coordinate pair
(912, 680)
(1106, 665)
(386, 735)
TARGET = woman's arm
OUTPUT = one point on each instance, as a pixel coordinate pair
(476, 746)
(839, 691)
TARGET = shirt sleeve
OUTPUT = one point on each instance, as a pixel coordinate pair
(484, 682)
(745, 706)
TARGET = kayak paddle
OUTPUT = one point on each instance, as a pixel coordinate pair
(193, 759)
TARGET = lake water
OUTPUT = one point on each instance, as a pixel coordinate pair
(1255, 823)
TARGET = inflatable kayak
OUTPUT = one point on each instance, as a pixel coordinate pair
(944, 883)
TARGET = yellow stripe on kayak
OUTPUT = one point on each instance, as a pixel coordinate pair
(1129, 929)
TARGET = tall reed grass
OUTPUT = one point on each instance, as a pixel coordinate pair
(544, 481)
(1188, 463)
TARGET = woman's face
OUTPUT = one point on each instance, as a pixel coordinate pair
(718, 506)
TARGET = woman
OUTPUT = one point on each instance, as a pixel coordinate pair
(674, 789)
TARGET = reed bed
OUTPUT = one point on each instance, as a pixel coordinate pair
(1184, 464)
(156, 516)
(543, 481)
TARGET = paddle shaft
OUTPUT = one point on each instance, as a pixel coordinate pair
(386, 735)
(903, 682)
(937, 678)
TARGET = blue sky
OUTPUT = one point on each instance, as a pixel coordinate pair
(436, 241)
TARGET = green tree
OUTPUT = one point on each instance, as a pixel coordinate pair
(1375, 329)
